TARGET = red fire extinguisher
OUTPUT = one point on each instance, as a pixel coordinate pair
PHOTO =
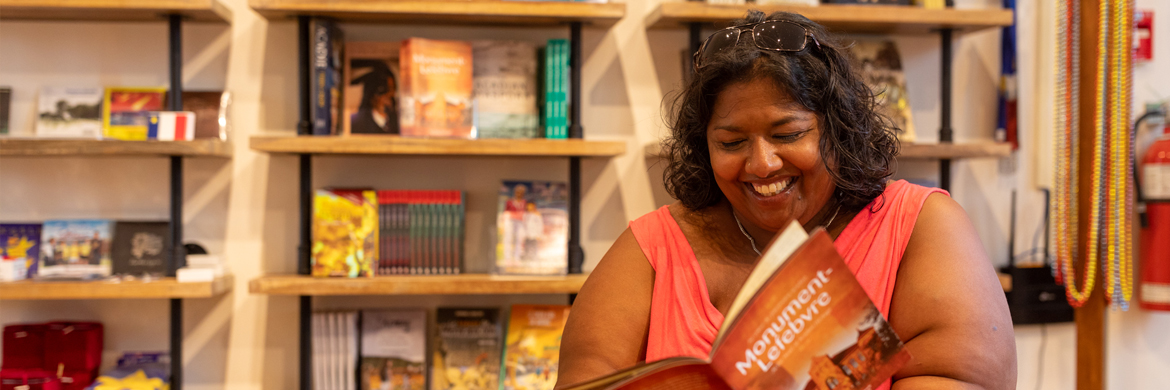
(1155, 236)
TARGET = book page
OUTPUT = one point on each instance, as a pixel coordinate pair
(774, 256)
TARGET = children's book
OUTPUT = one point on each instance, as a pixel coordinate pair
(126, 111)
(505, 89)
(467, 353)
(19, 245)
(533, 347)
(75, 249)
(141, 248)
(881, 67)
(371, 88)
(345, 233)
(394, 346)
(801, 321)
(435, 99)
(69, 112)
(532, 232)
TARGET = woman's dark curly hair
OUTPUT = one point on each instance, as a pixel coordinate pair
(854, 135)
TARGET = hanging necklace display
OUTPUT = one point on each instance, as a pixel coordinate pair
(1065, 220)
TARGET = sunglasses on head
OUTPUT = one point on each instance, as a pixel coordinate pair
(774, 35)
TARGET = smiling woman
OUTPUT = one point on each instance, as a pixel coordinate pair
(777, 126)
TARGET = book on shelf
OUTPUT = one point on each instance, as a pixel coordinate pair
(467, 351)
(505, 89)
(420, 232)
(371, 88)
(75, 249)
(126, 111)
(532, 228)
(533, 347)
(335, 350)
(556, 89)
(801, 321)
(345, 232)
(328, 43)
(881, 68)
(20, 243)
(69, 112)
(393, 350)
(211, 112)
(141, 248)
(435, 98)
(5, 108)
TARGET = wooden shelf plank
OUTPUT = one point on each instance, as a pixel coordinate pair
(87, 147)
(838, 18)
(114, 10)
(437, 146)
(468, 284)
(483, 12)
(166, 288)
(917, 151)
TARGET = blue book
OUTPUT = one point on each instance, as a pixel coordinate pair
(326, 66)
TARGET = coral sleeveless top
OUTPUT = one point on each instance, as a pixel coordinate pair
(683, 322)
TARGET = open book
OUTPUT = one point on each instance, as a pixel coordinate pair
(801, 321)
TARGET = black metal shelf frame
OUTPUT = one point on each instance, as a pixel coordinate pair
(304, 267)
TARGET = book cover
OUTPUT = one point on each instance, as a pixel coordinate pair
(69, 112)
(325, 64)
(20, 243)
(371, 88)
(141, 248)
(77, 248)
(533, 347)
(435, 99)
(532, 228)
(467, 352)
(881, 68)
(556, 82)
(126, 111)
(345, 233)
(211, 112)
(505, 89)
(801, 321)
(5, 107)
(394, 346)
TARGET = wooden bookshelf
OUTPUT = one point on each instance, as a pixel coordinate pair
(114, 10)
(76, 147)
(166, 288)
(468, 284)
(873, 19)
(918, 151)
(437, 146)
(480, 12)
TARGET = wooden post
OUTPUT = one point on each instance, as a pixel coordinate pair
(1090, 318)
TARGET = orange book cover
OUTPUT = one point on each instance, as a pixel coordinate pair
(802, 322)
(533, 347)
(435, 98)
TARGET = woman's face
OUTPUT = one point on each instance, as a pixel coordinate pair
(765, 154)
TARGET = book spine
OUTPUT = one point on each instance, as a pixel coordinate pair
(402, 240)
(384, 237)
(413, 254)
(322, 80)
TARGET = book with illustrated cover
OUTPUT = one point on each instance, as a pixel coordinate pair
(881, 68)
(505, 89)
(435, 98)
(532, 228)
(345, 233)
(801, 321)
(141, 248)
(211, 112)
(75, 249)
(533, 347)
(394, 347)
(126, 111)
(20, 243)
(467, 352)
(69, 112)
(325, 64)
(371, 88)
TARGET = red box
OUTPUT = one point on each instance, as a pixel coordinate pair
(73, 346)
(30, 379)
(76, 380)
(24, 346)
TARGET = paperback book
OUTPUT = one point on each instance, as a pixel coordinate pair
(556, 89)
(394, 346)
(533, 347)
(881, 67)
(532, 228)
(467, 352)
(126, 111)
(436, 89)
(75, 249)
(801, 321)
(141, 248)
(328, 44)
(371, 88)
(420, 232)
(19, 245)
(505, 89)
(335, 350)
(69, 112)
(345, 233)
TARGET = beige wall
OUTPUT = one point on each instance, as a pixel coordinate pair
(246, 208)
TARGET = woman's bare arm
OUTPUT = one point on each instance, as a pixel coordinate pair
(949, 308)
(610, 319)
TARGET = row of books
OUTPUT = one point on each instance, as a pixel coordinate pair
(83, 249)
(365, 232)
(434, 88)
(123, 113)
(388, 349)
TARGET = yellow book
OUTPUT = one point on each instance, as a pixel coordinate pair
(125, 111)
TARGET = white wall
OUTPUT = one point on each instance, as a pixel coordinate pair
(246, 207)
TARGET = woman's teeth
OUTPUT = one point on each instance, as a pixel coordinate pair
(774, 188)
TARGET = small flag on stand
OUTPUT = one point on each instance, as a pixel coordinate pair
(171, 126)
